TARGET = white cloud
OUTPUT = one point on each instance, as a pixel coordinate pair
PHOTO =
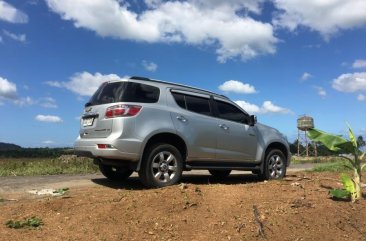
(54, 84)
(8, 90)
(324, 16)
(48, 102)
(48, 118)
(17, 37)
(195, 22)
(237, 87)
(306, 76)
(1, 39)
(359, 63)
(267, 107)
(149, 66)
(361, 97)
(321, 92)
(351, 82)
(248, 107)
(27, 101)
(11, 14)
(85, 83)
(48, 142)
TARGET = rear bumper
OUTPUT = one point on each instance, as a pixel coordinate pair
(121, 149)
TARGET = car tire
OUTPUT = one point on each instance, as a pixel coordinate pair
(162, 165)
(219, 173)
(275, 165)
(115, 173)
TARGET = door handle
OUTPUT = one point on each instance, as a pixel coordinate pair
(223, 126)
(181, 118)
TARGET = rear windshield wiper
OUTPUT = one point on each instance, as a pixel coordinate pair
(88, 104)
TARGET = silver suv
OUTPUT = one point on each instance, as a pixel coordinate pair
(161, 129)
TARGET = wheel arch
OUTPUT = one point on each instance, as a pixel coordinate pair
(166, 137)
(276, 145)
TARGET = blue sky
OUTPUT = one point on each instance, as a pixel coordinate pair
(277, 59)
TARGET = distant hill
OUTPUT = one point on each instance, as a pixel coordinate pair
(9, 147)
(8, 150)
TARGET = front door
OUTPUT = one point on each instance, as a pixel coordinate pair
(236, 140)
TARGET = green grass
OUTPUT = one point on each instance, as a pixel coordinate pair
(46, 166)
(338, 166)
(303, 160)
(32, 222)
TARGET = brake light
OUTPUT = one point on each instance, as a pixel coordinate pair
(122, 111)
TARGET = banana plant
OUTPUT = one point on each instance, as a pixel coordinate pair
(352, 186)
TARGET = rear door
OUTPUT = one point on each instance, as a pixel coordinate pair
(94, 124)
(236, 140)
(193, 119)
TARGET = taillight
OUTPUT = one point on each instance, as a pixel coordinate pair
(122, 110)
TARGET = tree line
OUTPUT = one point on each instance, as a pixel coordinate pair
(35, 152)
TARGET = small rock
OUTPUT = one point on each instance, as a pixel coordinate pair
(183, 186)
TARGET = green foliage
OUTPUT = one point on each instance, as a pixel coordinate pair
(34, 152)
(339, 144)
(61, 191)
(340, 193)
(46, 166)
(360, 141)
(332, 142)
(32, 222)
(352, 138)
(348, 184)
(338, 166)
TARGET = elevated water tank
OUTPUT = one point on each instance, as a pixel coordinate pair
(305, 123)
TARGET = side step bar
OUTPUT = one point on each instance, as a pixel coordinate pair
(226, 166)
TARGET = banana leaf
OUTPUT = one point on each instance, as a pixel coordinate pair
(352, 137)
(348, 184)
(332, 142)
(340, 193)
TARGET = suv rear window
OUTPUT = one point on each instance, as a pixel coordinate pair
(125, 92)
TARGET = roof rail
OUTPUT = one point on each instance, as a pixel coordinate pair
(176, 84)
(139, 78)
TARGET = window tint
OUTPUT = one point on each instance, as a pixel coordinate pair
(193, 103)
(125, 92)
(179, 98)
(231, 112)
(198, 105)
(140, 93)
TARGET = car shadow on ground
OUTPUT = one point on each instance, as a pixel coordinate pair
(133, 183)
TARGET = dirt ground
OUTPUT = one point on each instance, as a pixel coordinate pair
(201, 208)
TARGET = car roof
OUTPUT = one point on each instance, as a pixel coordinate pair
(186, 87)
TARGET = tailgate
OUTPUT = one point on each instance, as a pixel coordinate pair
(93, 124)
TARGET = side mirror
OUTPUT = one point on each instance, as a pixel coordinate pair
(252, 120)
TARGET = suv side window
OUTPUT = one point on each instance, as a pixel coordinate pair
(179, 98)
(230, 112)
(198, 104)
(142, 93)
(192, 103)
